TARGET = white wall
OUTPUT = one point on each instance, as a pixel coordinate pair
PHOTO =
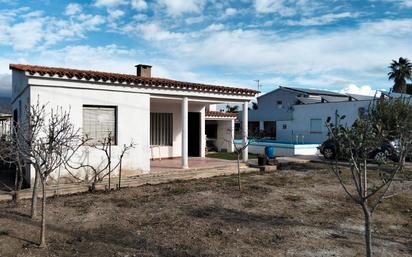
(225, 135)
(174, 107)
(132, 124)
(298, 129)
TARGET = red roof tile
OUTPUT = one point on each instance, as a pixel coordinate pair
(121, 78)
(221, 114)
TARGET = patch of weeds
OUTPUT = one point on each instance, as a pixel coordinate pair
(259, 189)
(293, 198)
(277, 239)
(338, 236)
(211, 232)
(4, 233)
(79, 204)
(203, 212)
(249, 204)
(125, 203)
(178, 190)
(400, 203)
(279, 181)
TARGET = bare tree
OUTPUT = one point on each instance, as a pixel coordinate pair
(240, 149)
(388, 120)
(106, 167)
(10, 156)
(45, 141)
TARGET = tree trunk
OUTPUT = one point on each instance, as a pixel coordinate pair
(33, 212)
(43, 216)
(368, 234)
(120, 172)
(17, 183)
(238, 173)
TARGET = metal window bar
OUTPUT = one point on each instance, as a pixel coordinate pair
(161, 129)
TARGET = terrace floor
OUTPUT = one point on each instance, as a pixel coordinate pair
(195, 163)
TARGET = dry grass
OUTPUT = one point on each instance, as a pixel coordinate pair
(299, 211)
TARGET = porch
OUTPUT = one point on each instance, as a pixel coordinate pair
(195, 163)
(178, 131)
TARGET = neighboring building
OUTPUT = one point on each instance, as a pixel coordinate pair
(308, 122)
(164, 118)
(298, 114)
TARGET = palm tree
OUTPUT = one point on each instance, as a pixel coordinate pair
(232, 109)
(400, 71)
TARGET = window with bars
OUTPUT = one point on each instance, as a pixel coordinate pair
(161, 129)
(99, 122)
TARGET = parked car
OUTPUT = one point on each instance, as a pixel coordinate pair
(387, 151)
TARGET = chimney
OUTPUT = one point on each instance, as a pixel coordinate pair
(143, 70)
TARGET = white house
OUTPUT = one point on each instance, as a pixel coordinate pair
(298, 115)
(308, 122)
(164, 118)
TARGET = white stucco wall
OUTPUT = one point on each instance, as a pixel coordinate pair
(298, 129)
(174, 107)
(225, 135)
(132, 125)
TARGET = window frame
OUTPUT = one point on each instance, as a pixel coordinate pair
(116, 120)
(315, 131)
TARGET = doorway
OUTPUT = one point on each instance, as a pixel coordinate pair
(194, 134)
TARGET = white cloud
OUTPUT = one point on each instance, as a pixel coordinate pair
(179, 7)
(322, 20)
(115, 14)
(72, 9)
(26, 35)
(139, 5)
(194, 20)
(406, 3)
(109, 3)
(153, 31)
(364, 48)
(29, 31)
(230, 11)
(214, 27)
(287, 8)
(358, 90)
(400, 3)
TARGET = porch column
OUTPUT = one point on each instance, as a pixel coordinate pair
(202, 133)
(245, 129)
(185, 137)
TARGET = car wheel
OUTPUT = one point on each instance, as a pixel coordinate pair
(328, 153)
(380, 157)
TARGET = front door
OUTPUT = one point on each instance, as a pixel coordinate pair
(194, 134)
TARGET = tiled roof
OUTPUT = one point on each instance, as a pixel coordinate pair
(129, 79)
(221, 114)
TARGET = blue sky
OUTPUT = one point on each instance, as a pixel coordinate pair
(336, 45)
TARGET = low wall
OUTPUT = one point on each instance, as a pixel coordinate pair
(283, 149)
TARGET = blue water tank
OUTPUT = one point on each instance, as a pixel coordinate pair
(270, 151)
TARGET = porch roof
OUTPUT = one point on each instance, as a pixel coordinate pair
(214, 114)
(133, 80)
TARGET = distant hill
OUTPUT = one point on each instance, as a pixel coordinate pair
(5, 105)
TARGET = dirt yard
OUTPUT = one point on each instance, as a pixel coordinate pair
(300, 211)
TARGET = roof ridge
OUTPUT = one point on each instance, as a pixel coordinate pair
(120, 77)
